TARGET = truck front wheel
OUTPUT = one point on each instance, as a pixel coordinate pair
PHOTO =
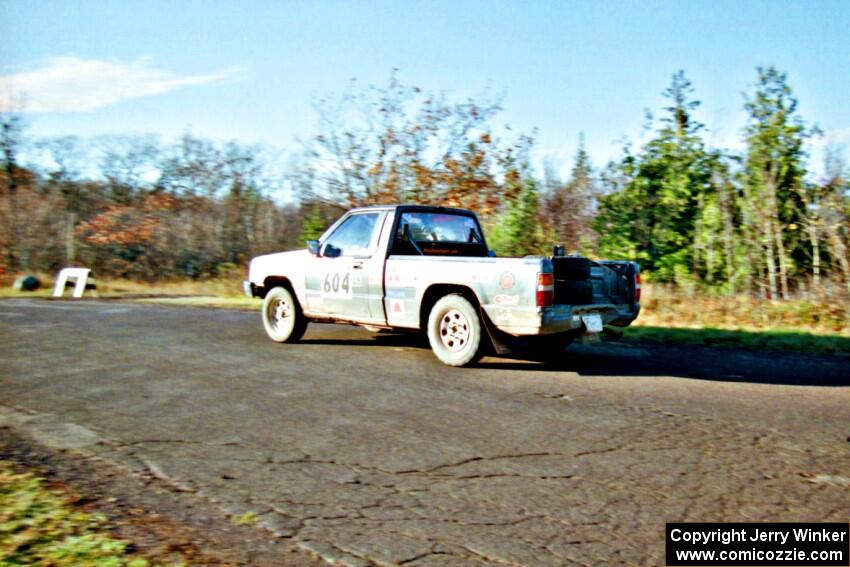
(454, 331)
(282, 317)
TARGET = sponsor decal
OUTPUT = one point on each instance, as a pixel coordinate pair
(392, 275)
(507, 280)
(503, 299)
(397, 309)
(397, 277)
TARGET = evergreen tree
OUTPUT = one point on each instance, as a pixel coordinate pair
(517, 231)
(314, 226)
(654, 213)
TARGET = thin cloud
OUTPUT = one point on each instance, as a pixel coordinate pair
(73, 84)
(838, 137)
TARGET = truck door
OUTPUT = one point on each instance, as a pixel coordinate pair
(345, 280)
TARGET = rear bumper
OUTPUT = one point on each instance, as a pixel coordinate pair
(560, 318)
(524, 321)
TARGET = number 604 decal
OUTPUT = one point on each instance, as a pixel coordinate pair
(337, 284)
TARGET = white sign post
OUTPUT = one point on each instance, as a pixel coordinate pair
(79, 274)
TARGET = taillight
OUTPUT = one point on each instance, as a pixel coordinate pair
(545, 290)
(637, 282)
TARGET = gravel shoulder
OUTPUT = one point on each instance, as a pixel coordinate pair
(165, 527)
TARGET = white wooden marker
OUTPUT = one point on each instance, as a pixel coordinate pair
(79, 274)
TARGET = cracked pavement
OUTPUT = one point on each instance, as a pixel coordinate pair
(363, 449)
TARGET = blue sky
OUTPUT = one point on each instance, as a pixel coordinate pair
(251, 70)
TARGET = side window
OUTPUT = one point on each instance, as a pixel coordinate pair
(354, 237)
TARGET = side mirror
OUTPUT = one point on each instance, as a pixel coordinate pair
(313, 247)
(332, 251)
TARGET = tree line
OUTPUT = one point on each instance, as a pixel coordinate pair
(132, 207)
(754, 220)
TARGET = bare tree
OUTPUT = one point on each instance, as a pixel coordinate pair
(567, 207)
(398, 143)
(69, 156)
(834, 211)
(129, 164)
(10, 141)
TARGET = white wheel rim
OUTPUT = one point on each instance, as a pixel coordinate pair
(454, 330)
(280, 313)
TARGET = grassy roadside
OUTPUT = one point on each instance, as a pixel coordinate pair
(780, 340)
(669, 307)
(40, 526)
(120, 289)
(804, 325)
(225, 302)
(212, 293)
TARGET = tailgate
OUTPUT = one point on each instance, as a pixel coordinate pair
(616, 282)
(581, 281)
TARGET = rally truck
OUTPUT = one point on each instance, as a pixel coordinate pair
(428, 269)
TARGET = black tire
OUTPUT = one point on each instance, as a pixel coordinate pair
(454, 331)
(282, 317)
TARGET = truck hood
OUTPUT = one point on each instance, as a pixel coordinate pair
(279, 264)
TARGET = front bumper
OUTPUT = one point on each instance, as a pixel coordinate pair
(248, 288)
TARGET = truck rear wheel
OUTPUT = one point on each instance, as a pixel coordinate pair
(282, 317)
(454, 331)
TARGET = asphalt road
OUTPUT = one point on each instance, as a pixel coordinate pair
(364, 449)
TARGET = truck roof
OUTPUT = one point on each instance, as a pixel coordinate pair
(409, 207)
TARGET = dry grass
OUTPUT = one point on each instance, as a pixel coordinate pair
(118, 288)
(800, 325)
(229, 302)
(668, 307)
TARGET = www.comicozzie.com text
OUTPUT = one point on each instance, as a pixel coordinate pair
(727, 536)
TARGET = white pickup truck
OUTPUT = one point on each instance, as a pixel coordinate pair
(421, 268)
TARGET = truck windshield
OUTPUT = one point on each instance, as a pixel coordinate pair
(439, 234)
